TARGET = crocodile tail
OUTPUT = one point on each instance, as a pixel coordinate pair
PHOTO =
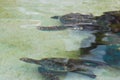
(53, 28)
(86, 73)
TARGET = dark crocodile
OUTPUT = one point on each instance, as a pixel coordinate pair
(73, 21)
(50, 67)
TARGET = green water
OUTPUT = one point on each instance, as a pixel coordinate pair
(20, 38)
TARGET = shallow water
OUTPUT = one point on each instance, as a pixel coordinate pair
(20, 38)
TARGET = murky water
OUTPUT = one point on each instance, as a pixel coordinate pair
(20, 38)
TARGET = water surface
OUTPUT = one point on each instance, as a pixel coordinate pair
(20, 38)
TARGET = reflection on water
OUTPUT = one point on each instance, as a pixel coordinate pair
(20, 38)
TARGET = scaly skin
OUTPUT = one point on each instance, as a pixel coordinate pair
(52, 66)
(108, 22)
(72, 21)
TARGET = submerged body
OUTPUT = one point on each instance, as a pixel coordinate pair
(73, 21)
(108, 22)
(112, 56)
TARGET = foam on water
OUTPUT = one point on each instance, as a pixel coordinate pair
(78, 39)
